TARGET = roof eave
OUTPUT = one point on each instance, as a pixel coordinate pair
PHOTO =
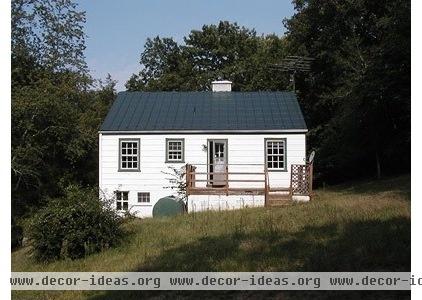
(201, 131)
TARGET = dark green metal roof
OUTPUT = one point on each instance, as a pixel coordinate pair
(204, 111)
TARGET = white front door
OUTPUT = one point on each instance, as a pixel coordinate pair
(217, 158)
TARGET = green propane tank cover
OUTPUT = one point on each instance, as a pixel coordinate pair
(167, 206)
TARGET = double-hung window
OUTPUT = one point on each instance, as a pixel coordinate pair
(122, 200)
(175, 150)
(129, 154)
(275, 154)
(143, 197)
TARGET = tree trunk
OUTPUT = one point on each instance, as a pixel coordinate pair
(377, 159)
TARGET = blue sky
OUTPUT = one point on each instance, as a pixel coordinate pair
(117, 30)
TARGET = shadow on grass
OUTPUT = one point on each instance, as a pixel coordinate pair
(357, 246)
(279, 295)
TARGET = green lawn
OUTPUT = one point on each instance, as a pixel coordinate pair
(363, 226)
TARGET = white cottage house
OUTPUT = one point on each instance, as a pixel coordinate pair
(239, 148)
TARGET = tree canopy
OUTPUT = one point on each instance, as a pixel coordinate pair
(358, 104)
(56, 106)
(224, 51)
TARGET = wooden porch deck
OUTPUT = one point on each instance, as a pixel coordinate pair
(274, 196)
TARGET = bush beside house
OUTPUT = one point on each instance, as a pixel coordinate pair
(74, 226)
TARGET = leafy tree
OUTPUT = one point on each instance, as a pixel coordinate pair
(224, 51)
(49, 34)
(57, 107)
(44, 118)
(358, 103)
(164, 66)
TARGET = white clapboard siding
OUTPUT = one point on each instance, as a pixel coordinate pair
(242, 149)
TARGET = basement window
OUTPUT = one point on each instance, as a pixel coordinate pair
(129, 154)
(143, 197)
(275, 154)
(122, 200)
(175, 150)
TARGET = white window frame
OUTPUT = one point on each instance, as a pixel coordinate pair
(177, 152)
(122, 200)
(281, 158)
(126, 158)
(144, 196)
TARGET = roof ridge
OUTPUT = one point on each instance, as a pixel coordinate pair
(207, 92)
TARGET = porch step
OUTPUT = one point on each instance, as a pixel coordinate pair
(281, 197)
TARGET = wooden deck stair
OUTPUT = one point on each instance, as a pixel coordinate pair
(279, 196)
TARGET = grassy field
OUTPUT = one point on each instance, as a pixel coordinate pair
(361, 226)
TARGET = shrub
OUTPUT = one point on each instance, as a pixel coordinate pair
(17, 234)
(74, 226)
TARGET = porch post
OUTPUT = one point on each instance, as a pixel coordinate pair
(187, 179)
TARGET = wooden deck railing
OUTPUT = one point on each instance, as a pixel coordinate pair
(230, 180)
(258, 182)
(301, 177)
